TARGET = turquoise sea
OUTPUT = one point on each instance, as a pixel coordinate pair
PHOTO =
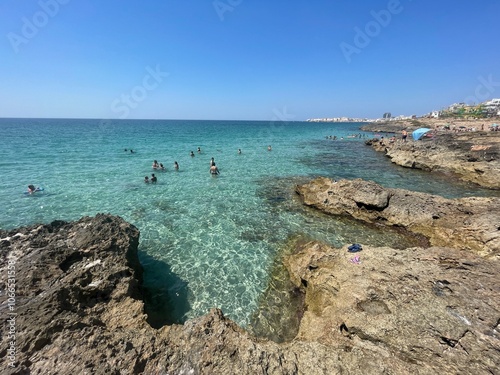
(205, 241)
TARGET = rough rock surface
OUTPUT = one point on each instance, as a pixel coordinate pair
(77, 297)
(413, 311)
(466, 223)
(79, 310)
(472, 156)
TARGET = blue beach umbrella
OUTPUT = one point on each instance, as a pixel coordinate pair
(419, 133)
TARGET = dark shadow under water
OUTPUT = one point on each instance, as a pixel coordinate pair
(165, 294)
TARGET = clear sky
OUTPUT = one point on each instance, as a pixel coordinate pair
(245, 59)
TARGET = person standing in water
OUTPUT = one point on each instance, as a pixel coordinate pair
(176, 166)
(214, 171)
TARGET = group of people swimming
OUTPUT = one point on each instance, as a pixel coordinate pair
(158, 166)
(214, 170)
(152, 180)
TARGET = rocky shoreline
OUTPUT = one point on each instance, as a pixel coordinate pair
(472, 156)
(79, 304)
(73, 302)
(470, 224)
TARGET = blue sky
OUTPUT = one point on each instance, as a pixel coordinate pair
(245, 59)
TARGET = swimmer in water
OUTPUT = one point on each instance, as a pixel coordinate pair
(176, 166)
(214, 171)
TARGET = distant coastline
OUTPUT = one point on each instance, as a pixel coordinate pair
(485, 111)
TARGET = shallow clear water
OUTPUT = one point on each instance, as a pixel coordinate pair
(205, 241)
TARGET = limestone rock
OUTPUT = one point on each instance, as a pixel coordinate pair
(417, 311)
(472, 156)
(79, 310)
(78, 298)
(467, 223)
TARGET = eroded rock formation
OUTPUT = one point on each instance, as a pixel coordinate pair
(79, 309)
(466, 223)
(472, 156)
(413, 311)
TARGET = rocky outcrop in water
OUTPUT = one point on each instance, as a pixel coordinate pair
(467, 223)
(472, 156)
(78, 308)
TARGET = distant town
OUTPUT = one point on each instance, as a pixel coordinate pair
(487, 109)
